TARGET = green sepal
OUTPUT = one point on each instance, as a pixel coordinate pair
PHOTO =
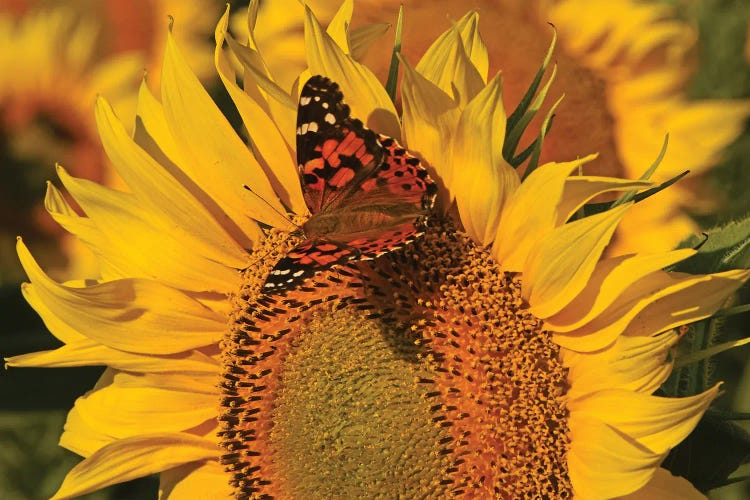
(726, 247)
(390, 85)
(525, 102)
(595, 208)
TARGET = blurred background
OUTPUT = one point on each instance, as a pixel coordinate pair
(56, 56)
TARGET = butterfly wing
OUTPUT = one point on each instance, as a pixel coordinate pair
(333, 149)
(306, 260)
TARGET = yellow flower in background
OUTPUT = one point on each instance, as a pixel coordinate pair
(511, 359)
(55, 58)
(623, 67)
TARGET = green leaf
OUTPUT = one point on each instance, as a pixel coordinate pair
(726, 247)
(710, 453)
(390, 85)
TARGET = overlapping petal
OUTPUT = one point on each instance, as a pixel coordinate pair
(134, 457)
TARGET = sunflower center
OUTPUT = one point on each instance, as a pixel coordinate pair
(419, 374)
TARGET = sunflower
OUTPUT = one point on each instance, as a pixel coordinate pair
(507, 358)
(624, 68)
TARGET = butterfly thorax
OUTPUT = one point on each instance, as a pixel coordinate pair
(356, 220)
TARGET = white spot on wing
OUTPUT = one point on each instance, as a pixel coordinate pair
(304, 101)
(312, 127)
(329, 118)
(299, 273)
(325, 105)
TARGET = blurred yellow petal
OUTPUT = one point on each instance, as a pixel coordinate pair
(482, 180)
(468, 28)
(364, 37)
(559, 267)
(365, 94)
(134, 457)
(80, 437)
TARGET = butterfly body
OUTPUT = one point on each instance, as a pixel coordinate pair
(366, 194)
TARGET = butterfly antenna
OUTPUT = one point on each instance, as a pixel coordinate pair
(277, 211)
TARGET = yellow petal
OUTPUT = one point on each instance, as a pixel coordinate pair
(61, 330)
(447, 65)
(170, 206)
(112, 265)
(338, 28)
(638, 364)
(603, 463)
(276, 158)
(80, 438)
(561, 264)
(664, 486)
(481, 179)
(521, 228)
(363, 92)
(654, 422)
(123, 412)
(260, 86)
(430, 119)
(204, 480)
(611, 278)
(142, 248)
(215, 157)
(134, 457)
(152, 132)
(87, 352)
(468, 28)
(654, 304)
(581, 189)
(130, 314)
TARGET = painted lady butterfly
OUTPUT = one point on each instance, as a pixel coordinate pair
(367, 194)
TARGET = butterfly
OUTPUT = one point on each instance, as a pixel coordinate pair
(366, 194)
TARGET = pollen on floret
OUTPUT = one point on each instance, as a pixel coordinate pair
(496, 372)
